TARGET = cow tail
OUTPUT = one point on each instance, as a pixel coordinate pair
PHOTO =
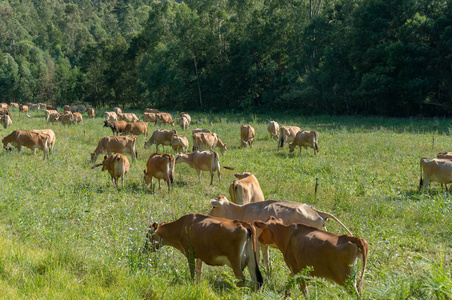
(316, 139)
(172, 162)
(328, 215)
(281, 141)
(421, 181)
(364, 249)
(253, 236)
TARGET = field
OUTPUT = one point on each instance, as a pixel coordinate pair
(67, 233)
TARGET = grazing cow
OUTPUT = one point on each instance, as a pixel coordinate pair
(329, 254)
(117, 110)
(24, 109)
(52, 138)
(164, 118)
(197, 130)
(117, 127)
(211, 240)
(77, 118)
(273, 128)
(6, 121)
(117, 165)
(287, 134)
(435, 169)
(160, 166)
(202, 161)
(151, 110)
(245, 189)
(208, 141)
(67, 119)
(128, 117)
(110, 116)
(247, 134)
(136, 129)
(4, 105)
(13, 104)
(186, 115)
(48, 112)
(183, 122)
(42, 106)
(149, 117)
(119, 144)
(305, 139)
(179, 143)
(160, 137)
(289, 212)
(55, 117)
(91, 113)
(29, 139)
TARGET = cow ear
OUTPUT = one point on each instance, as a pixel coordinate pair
(260, 224)
(215, 203)
(105, 157)
(155, 225)
(144, 171)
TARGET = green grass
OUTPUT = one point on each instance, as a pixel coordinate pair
(67, 233)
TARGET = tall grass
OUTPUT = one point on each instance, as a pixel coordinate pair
(66, 232)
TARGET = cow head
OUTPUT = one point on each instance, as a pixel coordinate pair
(106, 123)
(291, 147)
(218, 207)
(153, 240)
(266, 237)
(147, 179)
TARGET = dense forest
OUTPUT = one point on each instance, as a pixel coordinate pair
(380, 57)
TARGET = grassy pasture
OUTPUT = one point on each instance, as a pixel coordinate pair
(67, 233)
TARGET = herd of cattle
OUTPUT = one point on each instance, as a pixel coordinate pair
(234, 232)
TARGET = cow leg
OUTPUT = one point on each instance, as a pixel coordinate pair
(159, 185)
(199, 176)
(211, 177)
(122, 177)
(198, 269)
(219, 176)
(157, 148)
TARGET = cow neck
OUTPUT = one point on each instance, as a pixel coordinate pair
(282, 236)
(170, 234)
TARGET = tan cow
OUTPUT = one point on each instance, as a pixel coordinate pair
(119, 144)
(136, 129)
(186, 115)
(160, 166)
(179, 143)
(91, 113)
(117, 110)
(273, 129)
(149, 117)
(196, 130)
(55, 117)
(52, 138)
(110, 116)
(164, 118)
(287, 134)
(13, 104)
(211, 240)
(117, 165)
(305, 139)
(31, 140)
(67, 119)
(245, 189)
(48, 112)
(151, 110)
(4, 105)
(77, 118)
(6, 121)
(289, 212)
(247, 134)
(444, 155)
(202, 161)
(183, 122)
(160, 137)
(208, 141)
(329, 254)
(24, 109)
(128, 117)
(117, 127)
(435, 169)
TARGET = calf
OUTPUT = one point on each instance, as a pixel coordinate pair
(6, 121)
(211, 240)
(110, 116)
(119, 144)
(245, 189)
(117, 127)
(305, 139)
(202, 161)
(128, 117)
(164, 118)
(136, 129)
(435, 169)
(179, 143)
(287, 134)
(202, 140)
(52, 138)
(160, 166)
(117, 165)
(247, 134)
(91, 113)
(330, 255)
(160, 137)
(29, 139)
(273, 129)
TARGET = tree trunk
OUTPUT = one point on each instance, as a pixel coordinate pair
(199, 84)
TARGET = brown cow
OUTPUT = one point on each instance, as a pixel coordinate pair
(305, 139)
(164, 118)
(273, 129)
(202, 161)
(6, 121)
(287, 134)
(119, 144)
(208, 141)
(329, 254)
(52, 138)
(29, 139)
(128, 117)
(91, 113)
(77, 118)
(160, 137)
(247, 134)
(160, 166)
(117, 127)
(245, 189)
(51, 107)
(211, 240)
(435, 169)
(117, 165)
(179, 143)
(136, 129)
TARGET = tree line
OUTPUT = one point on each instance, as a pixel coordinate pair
(379, 57)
